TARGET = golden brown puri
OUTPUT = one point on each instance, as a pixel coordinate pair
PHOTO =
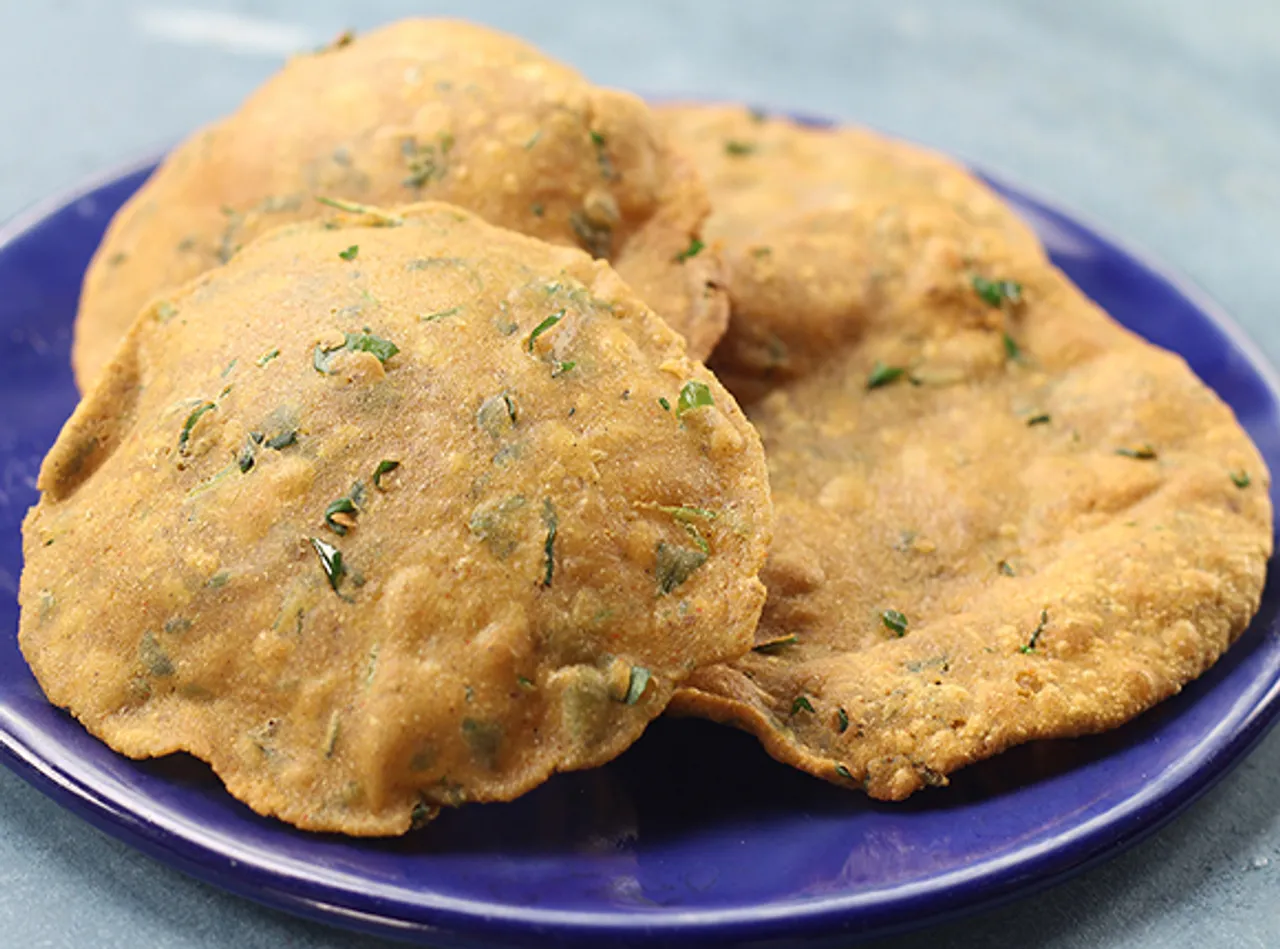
(788, 218)
(1000, 517)
(419, 109)
(376, 519)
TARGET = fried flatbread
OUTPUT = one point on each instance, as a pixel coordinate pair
(1000, 515)
(789, 223)
(422, 109)
(392, 512)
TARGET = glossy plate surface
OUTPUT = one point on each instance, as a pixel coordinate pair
(694, 835)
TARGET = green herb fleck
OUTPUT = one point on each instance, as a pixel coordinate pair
(331, 561)
(537, 209)
(842, 721)
(844, 772)
(1039, 420)
(596, 239)
(895, 621)
(365, 342)
(533, 140)
(381, 217)
(440, 315)
(497, 414)
(1011, 349)
(282, 440)
(693, 395)
(1006, 568)
(219, 579)
(738, 148)
(675, 565)
(551, 523)
(602, 155)
(426, 161)
(484, 739)
(340, 506)
(1141, 453)
(196, 414)
(801, 704)
(526, 683)
(1030, 647)
(266, 357)
(154, 657)
(761, 251)
(693, 250)
(882, 375)
(331, 737)
(542, 327)
(385, 467)
(422, 814)
(636, 685)
(231, 365)
(492, 522)
(561, 368)
(1241, 479)
(666, 406)
(776, 645)
(996, 293)
(350, 253)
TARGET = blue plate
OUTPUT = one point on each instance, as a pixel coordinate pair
(694, 835)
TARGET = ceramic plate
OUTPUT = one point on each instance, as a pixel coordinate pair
(694, 835)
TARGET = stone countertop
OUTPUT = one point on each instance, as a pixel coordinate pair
(1158, 119)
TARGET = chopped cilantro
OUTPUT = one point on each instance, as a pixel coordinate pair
(739, 148)
(882, 375)
(1006, 568)
(440, 315)
(638, 682)
(675, 565)
(552, 524)
(844, 772)
(341, 506)
(666, 406)
(196, 414)
(693, 250)
(895, 621)
(266, 357)
(801, 703)
(385, 467)
(154, 657)
(365, 342)
(350, 252)
(542, 327)
(381, 217)
(1011, 349)
(330, 561)
(1030, 647)
(1241, 479)
(1141, 453)
(842, 721)
(775, 645)
(996, 293)
(596, 239)
(693, 395)
(1039, 420)
(283, 440)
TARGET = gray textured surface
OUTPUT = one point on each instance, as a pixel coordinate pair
(1158, 118)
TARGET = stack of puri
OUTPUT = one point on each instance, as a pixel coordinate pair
(398, 482)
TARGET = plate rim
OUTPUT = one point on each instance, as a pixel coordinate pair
(880, 912)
